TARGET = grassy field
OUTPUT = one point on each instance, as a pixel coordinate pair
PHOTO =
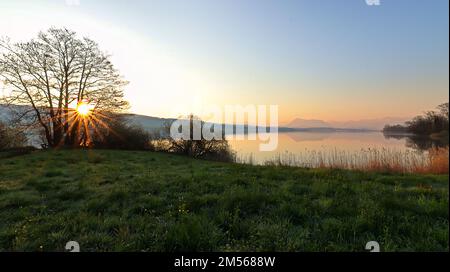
(142, 201)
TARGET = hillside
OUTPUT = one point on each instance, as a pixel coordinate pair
(142, 201)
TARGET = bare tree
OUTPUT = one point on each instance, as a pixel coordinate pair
(54, 73)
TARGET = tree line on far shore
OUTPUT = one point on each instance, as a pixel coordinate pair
(431, 123)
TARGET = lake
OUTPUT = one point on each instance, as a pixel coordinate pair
(305, 145)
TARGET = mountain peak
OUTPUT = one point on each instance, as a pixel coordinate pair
(307, 123)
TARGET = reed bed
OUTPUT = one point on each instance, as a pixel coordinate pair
(433, 161)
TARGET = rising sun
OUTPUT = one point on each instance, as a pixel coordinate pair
(83, 109)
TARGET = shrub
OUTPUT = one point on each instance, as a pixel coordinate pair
(117, 134)
(11, 137)
(218, 150)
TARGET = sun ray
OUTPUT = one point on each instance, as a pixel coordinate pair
(84, 123)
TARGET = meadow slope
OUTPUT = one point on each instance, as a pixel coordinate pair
(143, 201)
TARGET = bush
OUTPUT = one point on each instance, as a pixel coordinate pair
(116, 134)
(218, 150)
(11, 137)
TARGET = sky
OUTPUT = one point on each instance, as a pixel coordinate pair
(333, 60)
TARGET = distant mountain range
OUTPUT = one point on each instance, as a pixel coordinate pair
(364, 124)
(301, 125)
(307, 123)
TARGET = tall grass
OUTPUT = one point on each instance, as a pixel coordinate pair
(438, 161)
(433, 161)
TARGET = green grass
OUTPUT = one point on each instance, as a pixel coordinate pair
(142, 201)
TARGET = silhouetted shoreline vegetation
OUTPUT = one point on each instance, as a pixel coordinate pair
(431, 124)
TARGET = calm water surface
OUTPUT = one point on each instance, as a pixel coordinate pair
(301, 143)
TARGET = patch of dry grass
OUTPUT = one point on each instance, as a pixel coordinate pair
(438, 161)
(433, 161)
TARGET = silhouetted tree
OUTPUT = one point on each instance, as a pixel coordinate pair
(51, 74)
(432, 122)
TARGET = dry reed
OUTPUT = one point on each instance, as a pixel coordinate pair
(433, 161)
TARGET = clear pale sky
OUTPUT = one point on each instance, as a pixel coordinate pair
(322, 59)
